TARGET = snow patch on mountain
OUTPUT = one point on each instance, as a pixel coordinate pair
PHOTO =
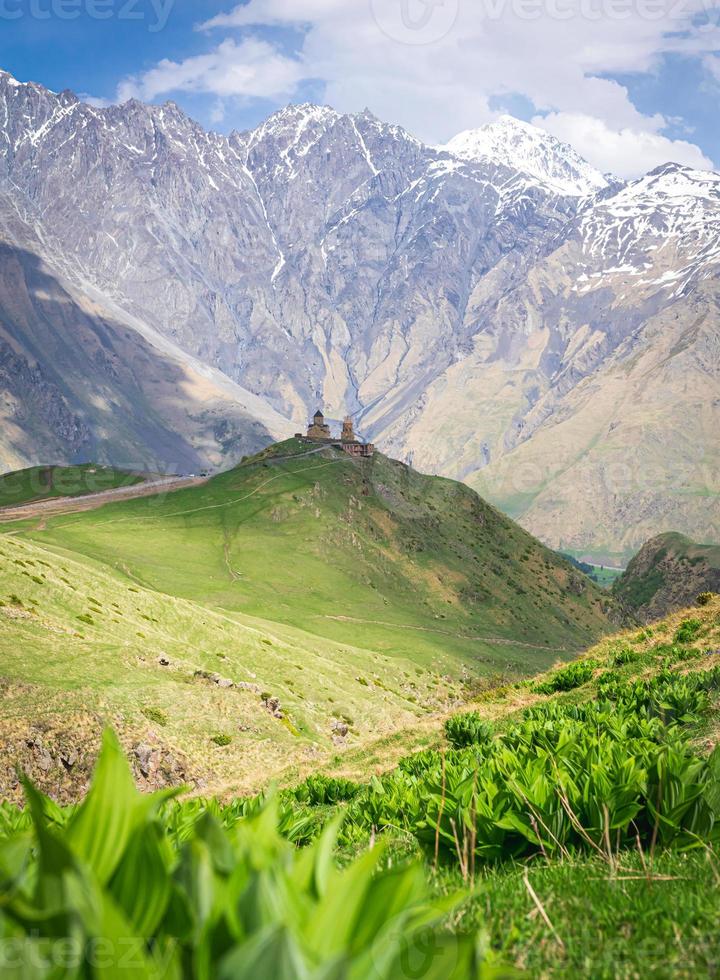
(672, 212)
(670, 186)
(527, 148)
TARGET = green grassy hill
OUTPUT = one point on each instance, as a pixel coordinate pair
(45, 482)
(360, 594)
(80, 646)
(638, 716)
(667, 574)
(367, 552)
(567, 826)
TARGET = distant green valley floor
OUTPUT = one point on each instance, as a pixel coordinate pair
(602, 575)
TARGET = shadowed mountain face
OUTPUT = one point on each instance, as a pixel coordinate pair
(495, 311)
(80, 385)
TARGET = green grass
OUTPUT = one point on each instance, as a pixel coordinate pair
(125, 883)
(627, 913)
(368, 553)
(642, 918)
(633, 902)
(345, 589)
(372, 601)
(46, 482)
(80, 645)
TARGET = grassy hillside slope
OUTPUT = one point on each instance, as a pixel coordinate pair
(46, 482)
(567, 827)
(361, 596)
(366, 552)
(81, 647)
(626, 655)
(579, 877)
(667, 574)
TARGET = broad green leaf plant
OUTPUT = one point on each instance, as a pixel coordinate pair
(129, 886)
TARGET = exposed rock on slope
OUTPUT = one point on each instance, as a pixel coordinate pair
(592, 394)
(318, 257)
(667, 574)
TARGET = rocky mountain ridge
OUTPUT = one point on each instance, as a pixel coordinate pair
(478, 322)
(667, 574)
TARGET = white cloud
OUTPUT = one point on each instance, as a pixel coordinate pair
(624, 152)
(279, 12)
(552, 52)
(712, 63)
(250, 68)
(94, 101)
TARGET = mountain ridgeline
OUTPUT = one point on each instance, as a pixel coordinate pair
(494, 311)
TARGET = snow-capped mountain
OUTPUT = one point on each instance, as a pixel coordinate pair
(663, 229)
(532, 151)
(483, 314)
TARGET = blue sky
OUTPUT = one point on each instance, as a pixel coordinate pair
(630, 83)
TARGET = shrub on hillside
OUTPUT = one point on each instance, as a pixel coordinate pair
(568, 678)
(625, 656)
(674, 698)
(705, 598)
(688, 630)
(468, 729)
(156, 715)
(322, 790)
(419, 762)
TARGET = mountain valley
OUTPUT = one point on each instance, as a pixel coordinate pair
(359, 490)
(494, 311)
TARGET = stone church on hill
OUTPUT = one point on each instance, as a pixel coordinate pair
(318, 428)
(319, 431)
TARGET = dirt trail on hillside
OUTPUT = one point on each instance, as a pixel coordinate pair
(502, 641)
(90, 501)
